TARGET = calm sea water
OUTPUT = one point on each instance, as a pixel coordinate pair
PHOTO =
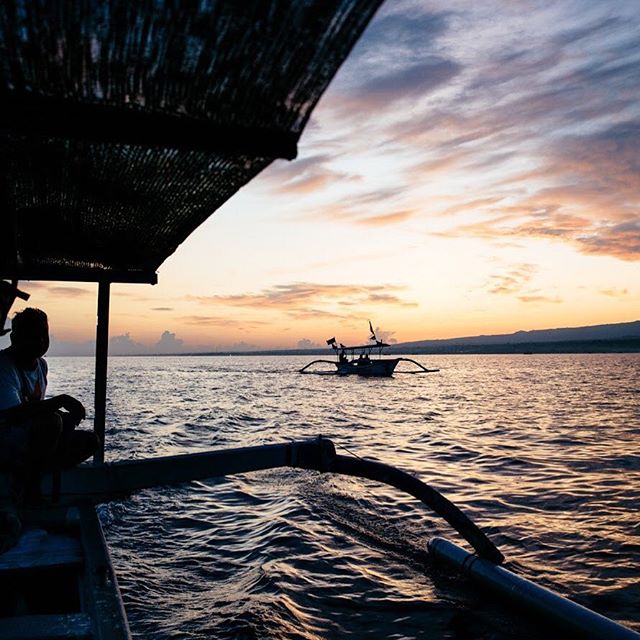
(541, 451)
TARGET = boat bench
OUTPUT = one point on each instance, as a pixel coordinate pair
(63, 547)
(38, 549)
(47, 627)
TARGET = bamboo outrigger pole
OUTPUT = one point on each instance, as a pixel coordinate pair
(546, 605)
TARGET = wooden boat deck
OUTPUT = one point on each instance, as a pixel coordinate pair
(58, 582)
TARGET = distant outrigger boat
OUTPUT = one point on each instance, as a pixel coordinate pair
(357, 360)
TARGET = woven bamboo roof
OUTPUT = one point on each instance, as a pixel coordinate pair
(124, 124)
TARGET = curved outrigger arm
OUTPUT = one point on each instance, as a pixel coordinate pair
(426, 494)
(106, 482)
(422, 368)
(306, 366)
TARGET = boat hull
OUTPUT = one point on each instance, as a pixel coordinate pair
(372, 369)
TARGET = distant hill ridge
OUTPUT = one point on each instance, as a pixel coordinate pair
(618, 331)
(622, 337)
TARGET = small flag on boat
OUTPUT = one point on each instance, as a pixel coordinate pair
(373, 333)
(331, 341)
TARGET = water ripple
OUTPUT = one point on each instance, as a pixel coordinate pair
(540, 451)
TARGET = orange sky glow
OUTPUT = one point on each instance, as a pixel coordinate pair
(470, 170)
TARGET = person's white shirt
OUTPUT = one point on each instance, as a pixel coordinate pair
(21, 385)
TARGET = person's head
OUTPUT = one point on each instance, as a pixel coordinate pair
(30, 333)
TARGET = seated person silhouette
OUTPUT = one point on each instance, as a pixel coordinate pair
(36, 435)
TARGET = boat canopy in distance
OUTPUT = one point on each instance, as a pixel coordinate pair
(362, 347)
(124, 124)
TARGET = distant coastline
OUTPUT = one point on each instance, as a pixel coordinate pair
(631, 345)
(622, 337)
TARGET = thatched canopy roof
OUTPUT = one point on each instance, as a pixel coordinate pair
(124, 124)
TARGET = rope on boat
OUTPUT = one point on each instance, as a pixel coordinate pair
(424, 369)
(351, 453)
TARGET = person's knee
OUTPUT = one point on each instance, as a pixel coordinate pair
(68, 422)
(45, 432)
(52, 421)
(86, 443)
(94, 442)
(52, 428)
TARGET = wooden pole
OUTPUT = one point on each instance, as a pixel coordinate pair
(102, 348)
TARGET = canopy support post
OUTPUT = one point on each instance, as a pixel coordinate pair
(102, 348)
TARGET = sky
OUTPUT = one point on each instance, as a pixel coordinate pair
(474, 168)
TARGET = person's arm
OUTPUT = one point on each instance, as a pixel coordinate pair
(33, 409)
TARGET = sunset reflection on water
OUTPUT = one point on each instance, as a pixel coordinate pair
(541, 451)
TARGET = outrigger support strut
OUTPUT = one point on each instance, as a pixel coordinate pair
(304, 369)
(426, 494)
(110, 481)
(102, 348)
(422, 367)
